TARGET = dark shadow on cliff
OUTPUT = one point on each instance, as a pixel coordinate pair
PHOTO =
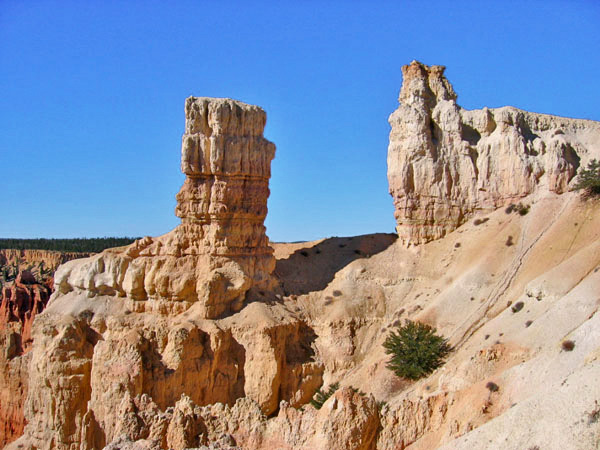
(312, 267)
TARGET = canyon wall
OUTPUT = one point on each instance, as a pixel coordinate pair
(51, 259)
(445, 163)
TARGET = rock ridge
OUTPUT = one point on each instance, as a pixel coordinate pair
(446, 163)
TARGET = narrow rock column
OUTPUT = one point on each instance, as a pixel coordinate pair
(220, 250)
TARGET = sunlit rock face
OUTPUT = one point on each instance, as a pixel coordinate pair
(220, 251)
(445, 163)
(134, 331)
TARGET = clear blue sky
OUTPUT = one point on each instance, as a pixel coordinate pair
(92, 95)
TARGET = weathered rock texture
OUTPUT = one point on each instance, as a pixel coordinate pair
(130, 331)
(20, 301)
(446, 163)
(348, 420)
(220, 250)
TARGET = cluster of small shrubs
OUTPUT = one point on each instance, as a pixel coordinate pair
(416, 350)
(520, 208)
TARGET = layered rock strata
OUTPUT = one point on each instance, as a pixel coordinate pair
(220, 250)
(446, 163)
(348, 420)
(50, 259)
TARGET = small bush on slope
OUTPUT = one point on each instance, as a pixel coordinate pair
(589, 179)
(416, 350)
(321, 397)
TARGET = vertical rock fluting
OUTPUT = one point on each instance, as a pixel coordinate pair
(220, 251)
(446, 163)
(20, 302)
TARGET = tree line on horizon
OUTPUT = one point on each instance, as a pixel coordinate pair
(76, 245)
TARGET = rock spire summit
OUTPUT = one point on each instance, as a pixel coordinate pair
(220, 251)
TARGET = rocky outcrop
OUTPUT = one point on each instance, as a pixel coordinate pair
(445, 163)
(20, 302)
(348, 420)
(93, 358)
(132, 330)
(220, 251)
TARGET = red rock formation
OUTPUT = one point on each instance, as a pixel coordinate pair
(20, 302)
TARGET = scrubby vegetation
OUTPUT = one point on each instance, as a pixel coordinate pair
(568, 345)
(88, 245)
(321, 397)
(520, 208)
(492, 387)
(517, 307)
(588, 179)
(416, 350)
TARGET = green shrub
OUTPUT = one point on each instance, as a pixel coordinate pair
(321, 397)
(522, 209)
(416, 350)
(568, 346)
(589, 179)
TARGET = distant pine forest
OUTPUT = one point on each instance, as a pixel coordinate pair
(79, 245)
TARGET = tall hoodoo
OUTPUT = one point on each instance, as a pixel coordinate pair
(220, 250)
(445, 163)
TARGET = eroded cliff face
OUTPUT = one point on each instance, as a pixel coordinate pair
(446, 163)
(20, 302)
(220, 251)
